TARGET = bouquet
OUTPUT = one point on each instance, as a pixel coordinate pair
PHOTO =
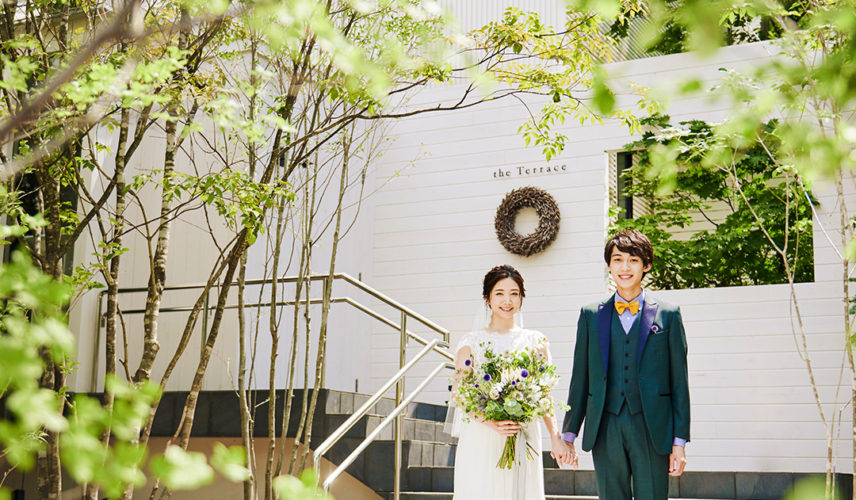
(514, 385)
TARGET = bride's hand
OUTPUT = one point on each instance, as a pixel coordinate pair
(505, 427)
(563, 452)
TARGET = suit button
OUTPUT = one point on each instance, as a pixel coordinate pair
(626, 367)
(628, 342)
(622, 394)
(626, 354)
(626, 381)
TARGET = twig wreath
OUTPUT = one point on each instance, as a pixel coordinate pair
(548, 221)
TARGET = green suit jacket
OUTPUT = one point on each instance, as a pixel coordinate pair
(662, 373)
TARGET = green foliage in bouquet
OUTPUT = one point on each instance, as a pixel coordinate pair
(513, 385)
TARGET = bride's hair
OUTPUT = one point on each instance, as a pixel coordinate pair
(498, 274)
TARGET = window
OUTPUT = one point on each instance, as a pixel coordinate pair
(628, 205)
(705, 227)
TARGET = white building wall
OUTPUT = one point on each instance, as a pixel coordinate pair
(752, 405)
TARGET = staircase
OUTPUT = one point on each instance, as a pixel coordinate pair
(428, 453)
(428, 458)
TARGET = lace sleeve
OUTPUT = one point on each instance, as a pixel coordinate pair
(466, 340)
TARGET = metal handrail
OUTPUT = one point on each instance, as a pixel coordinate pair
(292, 279)
(401, 402)
(406, 311)
(381, 426)
(410, 312)
(336, 300)
(359, 413)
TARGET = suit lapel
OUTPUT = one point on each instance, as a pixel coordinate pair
(604, 323)
(649, 312)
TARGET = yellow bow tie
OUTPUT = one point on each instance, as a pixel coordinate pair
(623, 306)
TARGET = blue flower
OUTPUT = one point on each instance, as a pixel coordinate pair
(487, 377)
(467, 362)
(476, 385)
(513, 382)
(524, 373)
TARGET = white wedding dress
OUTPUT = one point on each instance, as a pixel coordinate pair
(479, 447)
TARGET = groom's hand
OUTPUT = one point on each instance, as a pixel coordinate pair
(677, 461)
(572, 458)
(563, 452)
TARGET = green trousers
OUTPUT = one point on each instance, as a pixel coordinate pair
(623, 452)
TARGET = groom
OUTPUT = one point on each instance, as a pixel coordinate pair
(629, 381)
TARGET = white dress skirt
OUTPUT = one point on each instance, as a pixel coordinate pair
(478, 478)
(479, 447)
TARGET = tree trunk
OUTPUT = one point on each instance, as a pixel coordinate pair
(274, 339)
(308, 208)
(846, 236)
(112, 276)
(157, 278)
(243, 389)
(53, 378)
(320, 360)
(292, 356)
(196, 387)
(246, 417)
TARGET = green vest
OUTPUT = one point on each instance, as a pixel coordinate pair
(622, 376)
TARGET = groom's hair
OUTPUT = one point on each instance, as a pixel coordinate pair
(498, 274)
(630, 241)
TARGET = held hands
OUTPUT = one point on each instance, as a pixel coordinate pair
(677, 461)
(564, 452)
(506, 428)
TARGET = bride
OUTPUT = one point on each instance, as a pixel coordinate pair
(481, 442)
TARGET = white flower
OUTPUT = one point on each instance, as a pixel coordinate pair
(494, 393)
(508, 375)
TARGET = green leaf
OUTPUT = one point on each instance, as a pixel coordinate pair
(304, 488)
(513, 407)
(182, 470)
(808, 489)
(850, 250)
(602, 96)
(691, 86)
(607, 9)
(231, 462)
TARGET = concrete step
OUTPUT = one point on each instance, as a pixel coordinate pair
(375, 466)
(440, 479)
(563, 483)
(428, 495)
(412, 428)
(345, 403)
